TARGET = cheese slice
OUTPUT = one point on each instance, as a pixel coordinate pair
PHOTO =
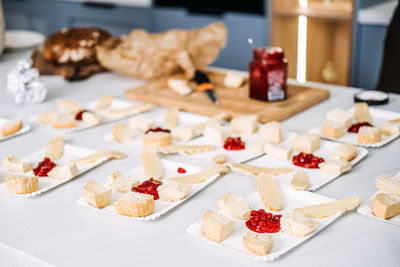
(55, 148)
(216, 226)
(171, 191)
(129, 110)
(300, 181)
(388, 184)
(101, 154)
(269, 192)
(179, 86)
(64, 172)
(234, 206)
(141, 123)
(121, 183)
(69, 106)
(151, 164)
(104, 102)
(361, 112)
(201, 175)
(330, 208)
(385, 206)
(255, 170)
(335, 167)
(296, 224)
(260, 244)
(12, 164)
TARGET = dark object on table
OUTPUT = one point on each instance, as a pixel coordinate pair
(204, 84)
(372, 97)
(389, 80)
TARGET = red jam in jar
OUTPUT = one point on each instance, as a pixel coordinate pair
(264, 222)
(268, 73)
(158, 129)
(308, 161)
(232, 143)
(356, 127)
(148, 187)
(44, 167)
(78, 116)
(181, 170)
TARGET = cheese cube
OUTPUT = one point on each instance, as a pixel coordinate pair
(368, 135)
(247, 124)
(345, 151)
(296, 224)
(389, 128)
(216, 226)
(216, 133)
(233, 80)
(340, 116)
(64, 172)
(141, 123)
(361, 112)
(333, 129)
(234, 206)
(259, 244)
(385, 206)
(335, 166)
(388, 184)
(271, 132)
(278, 151)
(184, 133)
(306, 142)
(96, 194)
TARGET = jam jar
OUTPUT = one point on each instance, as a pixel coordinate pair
(268, 72)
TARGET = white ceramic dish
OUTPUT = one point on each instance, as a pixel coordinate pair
(24, 129)
(20, 39)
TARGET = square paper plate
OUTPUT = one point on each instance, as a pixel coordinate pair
(117, 103)
(282, 242)
(365, 208)
(378, 116)
(46, 183)
(185, 119)
(24, 129)
(316, 177)
(169, 170)
(236, 156)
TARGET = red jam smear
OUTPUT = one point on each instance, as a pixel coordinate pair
(158, 129)
(181, 170)
(356, 127)
(148, 187)
(264, 222)
(78, 116)
(308, 161)
(44, 167)
(232, 143)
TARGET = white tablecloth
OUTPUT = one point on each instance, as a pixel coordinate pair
(53, 230)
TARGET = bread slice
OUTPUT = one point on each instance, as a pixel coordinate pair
(135, 204)
(269, 192)
(333, 129)
(341, 116)
(171, 117)
(271, 132)
(385, 206)
(388, 185)
(122, 133)
(179, 86)
(11, 127)
(361, 112)
(91, 119)
(215, 133)
(233, 80)
(278, 151)
(12, 164)
(121, 183)
(306, 142)
(389, 128)
(55, 148)
(335, 166)
(96, 194)
(330, 208)
(141, 123)
(156, 140)
(184, 133)
(171, 191)
(296, 224)
(247, 124)
(69, 106)
(255, 170)
(201, 175)
(234, 206)
(64, 123)
(49, 116)
(300, 181)
(151, 165)
(220, 158)
(260, 244)
(368, 135)
(104, 102)
(18, 184)
(105, 153)
(216, 226)
(346, 151)
(64, 172)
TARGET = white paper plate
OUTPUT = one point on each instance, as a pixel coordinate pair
(47, 183)
(117, 103)
(378, 116)
(185, 119)
(365, 208)
(282, 242)
(19, 39)
(316, 177)
(24, 129)
(169, 170)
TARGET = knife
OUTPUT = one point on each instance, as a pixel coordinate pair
(204, 85)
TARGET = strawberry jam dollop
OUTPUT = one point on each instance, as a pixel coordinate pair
(44, 167)
(78, 116)
(232, 143)
(158, 129)
(356, 127)
(264, 222)
(308, 161)
(148, 187)
(181, 170)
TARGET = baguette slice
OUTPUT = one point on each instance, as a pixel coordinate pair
(171, 117)
(69, 106)
(104, 102)
(121, 183)
(385, 206)
(96, 194)
(388, 185)
(171, 191)
(330, 208)
(151, 165)
(300, 181)
(64, 123)
(156, 140)
(64, 172)
(49, 116)
(105, 153)
(201, 175)
(234, 206)
(296, 224)
(18, 184)
(260, 244)
(55, 148)
(269, 192)
(255, 170)
(216, 226)
(135, 204)
(12, 164)
(11, 127)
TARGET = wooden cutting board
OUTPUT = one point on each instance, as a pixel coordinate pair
(234, 102)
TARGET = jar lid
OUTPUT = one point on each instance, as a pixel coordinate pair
(269, 52)
(372, 97)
